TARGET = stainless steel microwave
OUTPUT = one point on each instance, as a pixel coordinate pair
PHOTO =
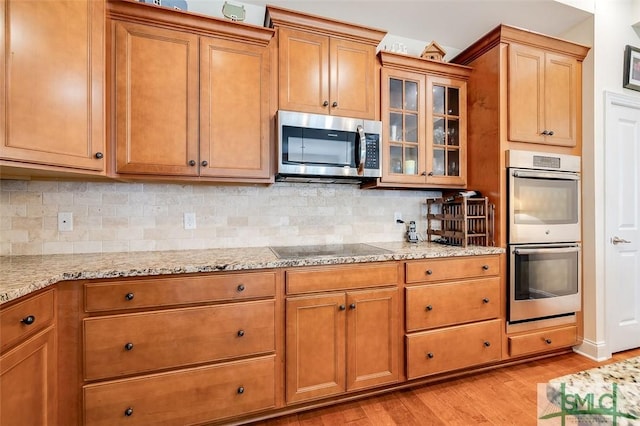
(326, 148)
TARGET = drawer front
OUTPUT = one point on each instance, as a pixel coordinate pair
(453, 348)
(541, 341)
(146, 293)
(190, 396)
(341, 278)
(143, 342)
(26, 318)
(452, 268)
(438, 305)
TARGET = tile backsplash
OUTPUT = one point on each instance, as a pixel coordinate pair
(121, 217)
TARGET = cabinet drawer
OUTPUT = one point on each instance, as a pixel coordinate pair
(342, 278)
(26, 318)
(153, 292)
(437, 305)
(142, 342)
(541, 341)
(452, 268)
(453, 348)
(190, 396)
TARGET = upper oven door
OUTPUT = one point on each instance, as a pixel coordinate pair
(544, 206)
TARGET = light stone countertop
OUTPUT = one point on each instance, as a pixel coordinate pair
(21, 275)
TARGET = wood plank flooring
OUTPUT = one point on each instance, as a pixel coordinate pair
(505, 396)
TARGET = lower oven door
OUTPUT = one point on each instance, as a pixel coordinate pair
(545, 280)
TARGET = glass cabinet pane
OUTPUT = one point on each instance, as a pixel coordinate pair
(453, 132)
(438, 131)
(395, 126)
(395, 159)
(453, 101)
(411, 161)
(411, 95)
(411, 121)
(438, 162)
(438, 99)
(395, 93)
(453, 163)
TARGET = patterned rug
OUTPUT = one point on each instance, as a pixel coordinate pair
(607, 395)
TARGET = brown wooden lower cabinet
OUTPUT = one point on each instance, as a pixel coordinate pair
(541, 341)
(340, 342)
(189, 396)
(452, 348)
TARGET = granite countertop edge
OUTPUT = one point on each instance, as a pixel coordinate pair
(22, 275)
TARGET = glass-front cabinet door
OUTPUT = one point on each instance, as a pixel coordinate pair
(404, 116)
(446, 131)
(424, 107)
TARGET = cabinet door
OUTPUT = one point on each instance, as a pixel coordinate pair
(542, 96)
(303, 71)
(560, 94)
(28, 382)
(352, 79)
(52, 83)
(156, 100)
(234, 109)
(403, 112)
(315, 354)
(446, 162)
(372, 338)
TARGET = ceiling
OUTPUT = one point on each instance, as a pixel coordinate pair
(453, 24)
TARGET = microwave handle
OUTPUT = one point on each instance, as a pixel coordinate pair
(545, 175)
(363, 149)
(573, 249)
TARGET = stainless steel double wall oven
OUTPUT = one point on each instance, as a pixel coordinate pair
(544, 235)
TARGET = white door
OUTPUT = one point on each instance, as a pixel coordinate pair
(622, 216)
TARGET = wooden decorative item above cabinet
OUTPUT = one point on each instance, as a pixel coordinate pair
(52, 87)
(424, 115)
(190, 95)
(325, 66)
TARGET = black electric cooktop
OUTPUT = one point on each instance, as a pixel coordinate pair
(338, 250)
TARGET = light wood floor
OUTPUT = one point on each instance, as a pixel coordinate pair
(505, 396)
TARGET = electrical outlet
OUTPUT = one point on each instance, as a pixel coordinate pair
(189, 221)
(65, 221)
(397, 216)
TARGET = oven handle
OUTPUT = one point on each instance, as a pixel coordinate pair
(546, 175)
(573, 249)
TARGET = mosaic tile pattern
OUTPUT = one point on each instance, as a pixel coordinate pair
(21, 275)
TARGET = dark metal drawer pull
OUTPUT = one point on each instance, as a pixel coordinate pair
(28, 320)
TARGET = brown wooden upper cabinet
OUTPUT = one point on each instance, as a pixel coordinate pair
(424, 115)
(189, 99)
(325, 66)
(52, 85)
(543, 92)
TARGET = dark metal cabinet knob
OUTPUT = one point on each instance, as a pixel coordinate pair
(129, 296)
(352, 306)
(342, 307)
(99, 155)
(430, 174)
(205, 163)
(485, 300)
(128, 412)
(129, 346)
(429, 308)
(240, 287)
(547, 341)
(325, 103)
(240, 333)
(192, 163)
(430, 355)
(241, 390)
(28, 320)
(423, 173)
(550, 132)
(487, 344)
(485, 267)
(334, 105)
(428, 272)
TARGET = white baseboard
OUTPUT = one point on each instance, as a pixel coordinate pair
(597, 351)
